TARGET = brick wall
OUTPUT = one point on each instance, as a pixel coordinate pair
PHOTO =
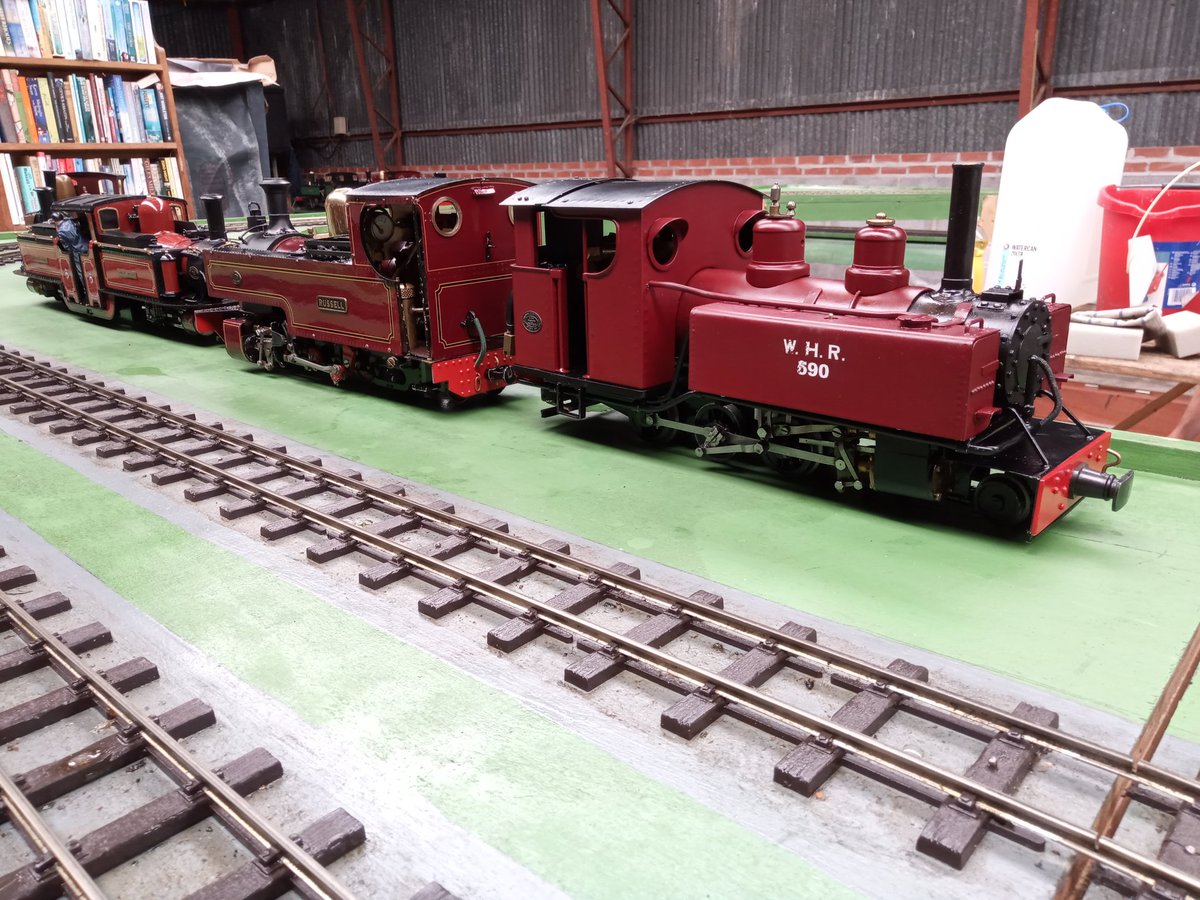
(885, 169)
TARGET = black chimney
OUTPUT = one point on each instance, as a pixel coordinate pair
(278, 191)
(45, 197)
(214, 213)
(960, 230)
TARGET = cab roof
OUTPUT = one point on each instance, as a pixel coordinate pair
(609, 194)
(397, 188)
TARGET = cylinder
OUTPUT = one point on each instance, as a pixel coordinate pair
(278, 192)
(960, 230)
(214, 214)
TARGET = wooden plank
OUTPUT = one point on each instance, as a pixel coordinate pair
(30, 658)
(519, 631)
(693, 713)
(329, 838)
(54, 706)
(810, 764)
(956, 829)
(597, 667)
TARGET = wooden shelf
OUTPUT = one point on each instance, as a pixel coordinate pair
(55, 64)
(113, 149)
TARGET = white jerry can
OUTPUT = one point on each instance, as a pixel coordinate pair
(1056, 160)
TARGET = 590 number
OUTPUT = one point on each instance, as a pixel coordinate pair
(812, 369)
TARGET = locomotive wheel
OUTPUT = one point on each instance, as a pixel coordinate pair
(1003, 499)
(725, 416)
(660, 435)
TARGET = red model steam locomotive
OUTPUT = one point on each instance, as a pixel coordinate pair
(411, 295)
(110, 255)
(690, 309)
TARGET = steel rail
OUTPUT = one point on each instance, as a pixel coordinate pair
(77, 883)
(1078, 838)
(169, 751)
(1088, 752)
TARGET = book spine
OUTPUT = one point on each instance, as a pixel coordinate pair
(149, 101)
(25, 14)
(39, 110)
(8, 122)
(62, 115)
(130, 54)
(10, 189)
(110, 35)
(6, 35)
(75, 108)
(119, 30)
(12, 96)
(71, 20)
(88, 111)
(143, 7)
(95, 19)
(120, 132)
(133, 112)
(25, 181)
(84, 29)
(16, 31)
(27, 102)
(164, 118)
(46, 27)
(139, 32)
(99, 115)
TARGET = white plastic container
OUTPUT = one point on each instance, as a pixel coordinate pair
(1056, 160)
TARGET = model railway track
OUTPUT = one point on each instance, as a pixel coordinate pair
(278, 863)
(539, 588)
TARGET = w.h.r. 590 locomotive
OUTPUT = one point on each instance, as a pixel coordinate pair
(692, 310)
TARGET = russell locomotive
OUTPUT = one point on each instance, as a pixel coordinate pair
(409, 293)
(691, 309)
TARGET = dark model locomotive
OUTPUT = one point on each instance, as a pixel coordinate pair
(690, 309)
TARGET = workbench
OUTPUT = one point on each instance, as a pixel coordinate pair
(1182, 374)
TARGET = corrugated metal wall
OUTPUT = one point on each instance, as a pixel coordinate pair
(480, 63)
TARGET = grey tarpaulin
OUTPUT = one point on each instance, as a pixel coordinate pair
(224, 131)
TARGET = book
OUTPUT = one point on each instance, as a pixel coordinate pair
(130, 54)
(8, 125)
(149, 102)
(27, 104)
(25, 15)
(39, 110)
(95, 18)
(83, 27)
(164, 117)
(70, 17)
(139, 32)
(87, 112)
(12, 96)
(25, 185)
(110, 39)
(119, 36)
(62, 119)
(16, 30)
(6, 35)
(9, 181)
(143, 7)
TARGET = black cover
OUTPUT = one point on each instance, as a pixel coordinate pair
(224, 132)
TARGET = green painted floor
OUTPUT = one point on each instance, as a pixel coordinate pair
(1098, 608)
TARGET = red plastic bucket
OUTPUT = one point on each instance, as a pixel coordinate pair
(1174, 225)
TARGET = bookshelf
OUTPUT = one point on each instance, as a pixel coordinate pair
(24, 65)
